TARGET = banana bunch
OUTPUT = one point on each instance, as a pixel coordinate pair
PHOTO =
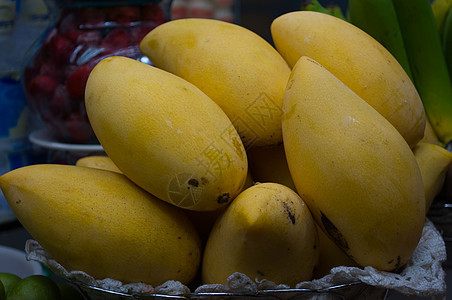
(442, 11)
(231, 155)
(379, 19)
(419, 35)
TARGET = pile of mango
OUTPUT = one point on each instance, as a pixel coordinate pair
(231, 155)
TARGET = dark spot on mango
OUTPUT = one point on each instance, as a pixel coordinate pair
(193, 182)
(334, 233)
(223, 198)
(260, 273)
(290, 213)
(204, 181)
(398, 262)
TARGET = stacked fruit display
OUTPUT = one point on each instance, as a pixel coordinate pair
(329, 122)
(83, 34)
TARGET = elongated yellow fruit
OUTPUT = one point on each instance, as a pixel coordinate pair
(99, 162)
(235, 67)
(430, 135)
(330, 255)
(101, 223)
(358, 60)
(267, 232)
(204, 220)
(165, 134)
(354, 170)
(434, 162)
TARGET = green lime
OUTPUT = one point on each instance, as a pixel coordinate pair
(8, 280)
(35, 287)
(68, 292)
(2, 292)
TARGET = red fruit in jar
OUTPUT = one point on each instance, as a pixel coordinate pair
(60, 106)
(68, 21)
(43, 85)
(116, 39)
(124, 14)
(41, 56)
(41, 89)
(76, 81)
(79, 130)
(61, 48)
(89, 37)
(92, 17)
(73, 34)
(52, 70)
(138, 33)
(153, 12)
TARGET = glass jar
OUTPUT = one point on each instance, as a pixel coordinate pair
(80, 35)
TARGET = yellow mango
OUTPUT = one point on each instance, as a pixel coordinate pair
(266, 232)
(269, 164)
(99, 162)
(356, 59)
(165, 134)
(101, 223)
(434, 162)
(430, 135)
(330, 256)
(353, 168)
(235, 67)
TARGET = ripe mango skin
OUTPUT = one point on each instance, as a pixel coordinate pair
(430, 135)
(165, 134)
(204, 220)
(266, 232)
(235, 67)
(434, 162)
(100, 222)
(99, 162)
(330, 256)
(354, 170)
(356, 59)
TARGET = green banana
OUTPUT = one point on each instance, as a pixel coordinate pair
(440, 9)
(314, 5)
(378, 18)
(336, 11)
(330, 9)
(447, 40)
(427, 62)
